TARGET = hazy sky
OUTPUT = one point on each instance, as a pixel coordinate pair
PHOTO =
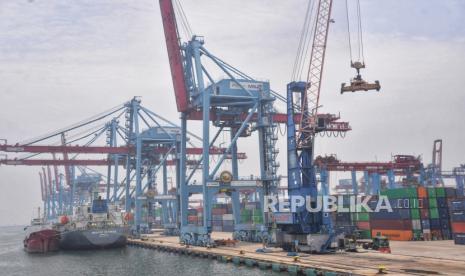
(62, 61)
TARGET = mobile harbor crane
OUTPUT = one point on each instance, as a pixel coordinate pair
(303, 230)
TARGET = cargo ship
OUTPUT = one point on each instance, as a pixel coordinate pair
(41, 237)
(94, 226)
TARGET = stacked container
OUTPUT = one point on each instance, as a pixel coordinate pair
(418, 214)
(404, 219)
(457, 213)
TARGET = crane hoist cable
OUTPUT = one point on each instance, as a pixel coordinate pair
(357, 83)
(359, 46)
(303, 41)
(183, 18)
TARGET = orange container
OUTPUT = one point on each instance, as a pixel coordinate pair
(395, 235)
(458, 227)
(422, 192)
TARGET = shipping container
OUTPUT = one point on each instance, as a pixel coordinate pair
(391, 224)
(458, 227)
(365, 234)
(433, 213)
(458, 216)
(435, 224)
(417, 235)
(363, 225)
(425, 224)
(431, 192)
(445, 224)
(360, 216)
(456, 205)
(395, 235)
(442, 202)
(228, 217)
(416, 224)
(433, 203)
(424, 213)
(451, 192)
(443, 213)
(440, 192)
(459, 238)
(422, 192)
(415, 213)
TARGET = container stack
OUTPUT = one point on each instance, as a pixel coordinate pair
(195, 216)
(418, 214)
(457, 213)
(251, 213)
(222, 217)
(403, 223)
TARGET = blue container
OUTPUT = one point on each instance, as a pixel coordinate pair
(459, 238)
(451, 192)
(442, 202)
(425, 224)
(395, 214)
(445, 224)
(443, 213)
(404, 213)
(457, 205)
(446, 234)
(435, 224)
(457, 216)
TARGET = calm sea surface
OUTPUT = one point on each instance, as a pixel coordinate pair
(128, 261)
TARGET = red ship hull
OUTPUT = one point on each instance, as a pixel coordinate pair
(42, 241)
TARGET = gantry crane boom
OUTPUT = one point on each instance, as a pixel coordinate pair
(174, 55)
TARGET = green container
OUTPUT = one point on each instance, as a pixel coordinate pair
(434, 213)
(415, 214)
(365, 234)
(440, 192)
(257, 219)
(361, 217)
(431, 192)
(400, 193)
(245, 212)
(246, 219)
(433, 203)
(417, 234)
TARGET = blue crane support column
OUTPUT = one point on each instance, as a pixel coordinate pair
(165, 192)
(376, 183)
(128, 160)
(235, 172)
(354, 182)
(114, 125)
(324, 177)
(110, 144)
(184, 202)
(391, 179)
(73, 188)
(205, 135)
(367, 185)
(138, 195)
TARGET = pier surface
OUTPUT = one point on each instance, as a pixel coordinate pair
(407, 258)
